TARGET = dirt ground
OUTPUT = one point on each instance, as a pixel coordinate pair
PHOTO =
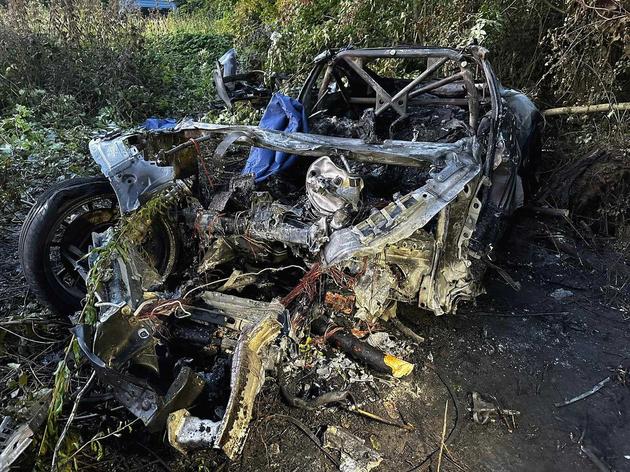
(526, 348)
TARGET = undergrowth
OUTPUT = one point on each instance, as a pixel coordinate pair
(129, 232)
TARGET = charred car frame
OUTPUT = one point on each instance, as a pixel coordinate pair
(398, 193)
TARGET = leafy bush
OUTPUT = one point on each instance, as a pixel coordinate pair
(561, 51)
(183, 63)
(287, 34)
(588, 59)
(106, 58)
(32, 153)
(85, 49)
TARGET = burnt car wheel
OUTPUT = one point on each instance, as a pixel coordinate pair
(57, 233)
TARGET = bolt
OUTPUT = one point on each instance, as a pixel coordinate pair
(143, 333)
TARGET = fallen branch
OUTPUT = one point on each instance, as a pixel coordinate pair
(576, 110)
(309, 434)
(73, 413)
(380, 419)
(406, 330)
(443, 436)
(597, 462)
(588, 393)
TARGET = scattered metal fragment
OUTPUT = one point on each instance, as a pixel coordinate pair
(584, 395)
(484, 410)
(355, 455)
(186, 432)
(372, 293)
(15, 440)
(560, 294)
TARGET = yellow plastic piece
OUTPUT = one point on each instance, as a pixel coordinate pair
(399, 367)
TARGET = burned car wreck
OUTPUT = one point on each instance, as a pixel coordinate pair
(365, 192)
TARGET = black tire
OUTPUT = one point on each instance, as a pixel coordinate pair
(46, 218)
(57, 233)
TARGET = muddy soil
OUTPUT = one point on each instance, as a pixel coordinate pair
(526, 348)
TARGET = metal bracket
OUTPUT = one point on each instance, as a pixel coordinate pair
(130, 175)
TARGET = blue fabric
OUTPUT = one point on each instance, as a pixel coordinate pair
(283, 114)
(159, 123)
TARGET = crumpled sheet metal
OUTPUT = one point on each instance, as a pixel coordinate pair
(248, 375)
(132, 392)
(15, 444)
(404, 216)
(131, 176)
(246, 308)
(372, 293)
(397, 152)
(459, 162)
(14, 441)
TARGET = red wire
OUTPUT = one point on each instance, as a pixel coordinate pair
(203, 161)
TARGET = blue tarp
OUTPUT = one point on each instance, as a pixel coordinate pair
(283, 114)
(159, 123)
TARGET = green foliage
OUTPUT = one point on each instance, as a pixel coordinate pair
(560, 50)
(589, 58)
(129, 232)
(69, 69)
(31, 151)
(104, 58)
(60, 388)
(243, 113)
(185, 62)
